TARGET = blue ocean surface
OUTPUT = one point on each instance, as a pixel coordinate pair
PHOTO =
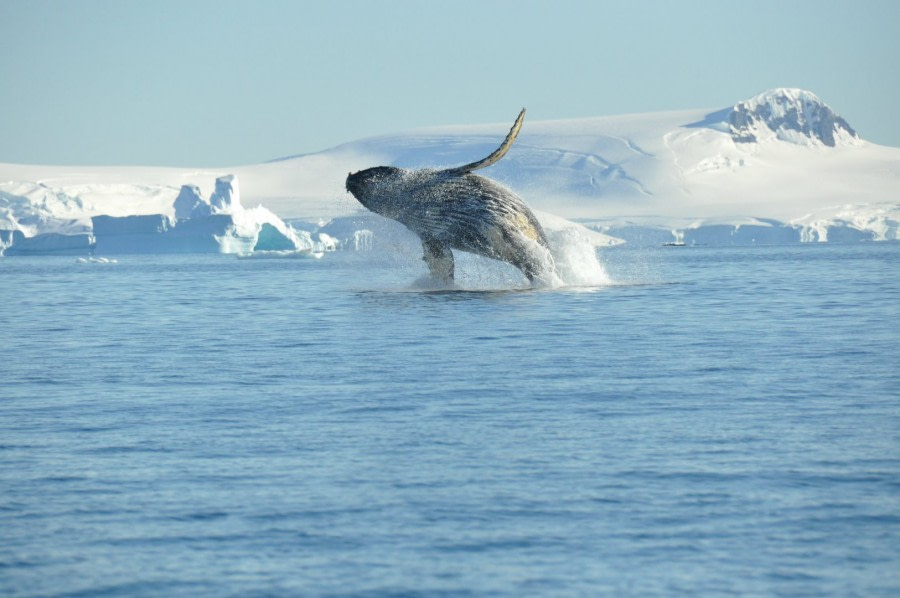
(716, 421)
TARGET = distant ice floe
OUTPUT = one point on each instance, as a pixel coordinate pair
(851, 223)
(837, 224)
(95, 260)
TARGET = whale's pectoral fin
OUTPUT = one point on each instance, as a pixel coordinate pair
(497, 154)
(439, 258)
(526, 248)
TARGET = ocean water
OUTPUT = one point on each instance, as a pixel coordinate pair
(712, 421)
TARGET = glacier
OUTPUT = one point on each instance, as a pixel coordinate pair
(780, 167)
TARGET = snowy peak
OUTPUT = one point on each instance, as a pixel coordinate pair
(792, 115)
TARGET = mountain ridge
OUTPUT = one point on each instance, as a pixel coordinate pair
(789, 114)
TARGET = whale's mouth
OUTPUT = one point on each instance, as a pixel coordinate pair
(353, 183)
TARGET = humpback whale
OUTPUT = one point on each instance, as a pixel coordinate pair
(456, 209)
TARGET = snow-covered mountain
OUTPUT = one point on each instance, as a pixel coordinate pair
(792, 115)
(779, 167)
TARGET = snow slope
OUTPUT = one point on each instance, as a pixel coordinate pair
(782, 160)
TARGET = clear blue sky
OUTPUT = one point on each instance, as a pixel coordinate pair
(224, 83)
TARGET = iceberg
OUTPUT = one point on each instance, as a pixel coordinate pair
(220, 225)
(193, 224)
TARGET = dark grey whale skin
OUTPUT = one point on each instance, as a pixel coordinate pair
(455, 209)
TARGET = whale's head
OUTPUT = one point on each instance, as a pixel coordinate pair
(378, 189)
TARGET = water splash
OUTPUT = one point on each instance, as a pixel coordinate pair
(575, 257)
(577, 263)
(396, 256)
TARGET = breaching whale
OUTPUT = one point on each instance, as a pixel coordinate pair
(455, 209)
